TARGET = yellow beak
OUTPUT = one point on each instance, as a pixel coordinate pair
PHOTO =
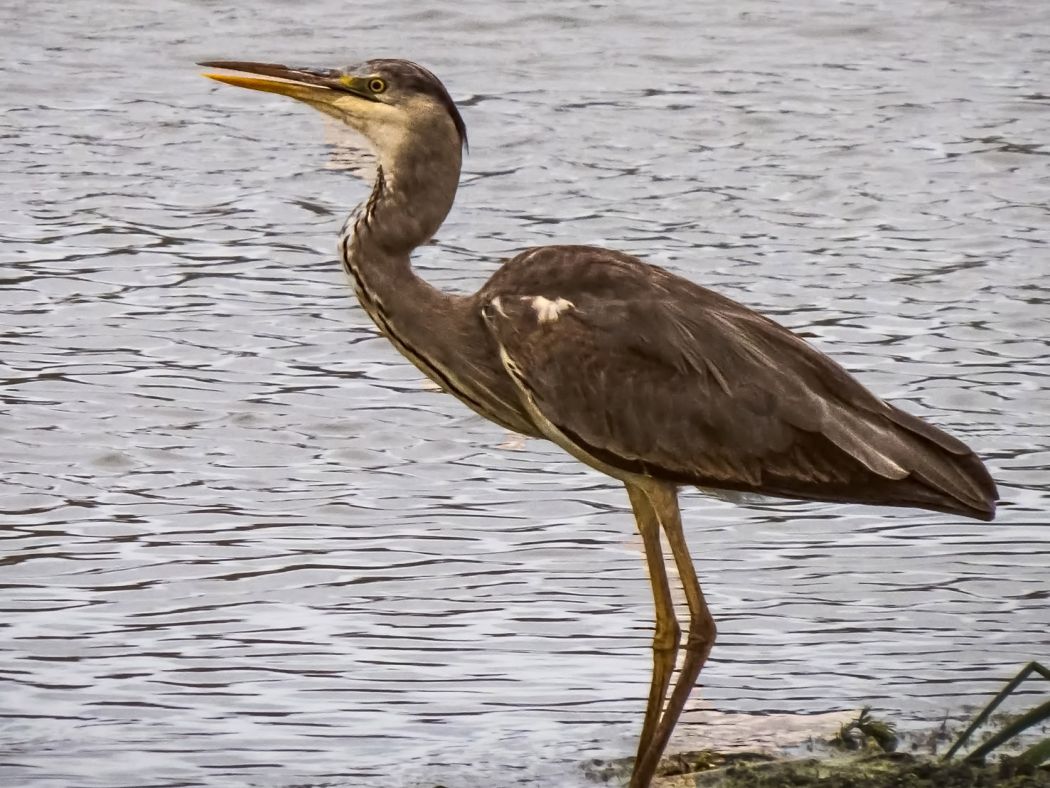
(294, 89)
(315, 86)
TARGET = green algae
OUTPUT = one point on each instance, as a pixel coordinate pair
(881, 770)
(862, 753)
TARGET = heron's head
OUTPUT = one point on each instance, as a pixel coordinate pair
(395, 104)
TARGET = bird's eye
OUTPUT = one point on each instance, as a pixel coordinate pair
(376, 85)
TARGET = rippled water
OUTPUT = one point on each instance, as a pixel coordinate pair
(245, 545)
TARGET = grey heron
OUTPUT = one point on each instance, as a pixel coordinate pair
(635, 371)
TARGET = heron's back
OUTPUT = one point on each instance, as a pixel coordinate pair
(651, 374)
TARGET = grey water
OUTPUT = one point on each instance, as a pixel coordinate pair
(243, 544)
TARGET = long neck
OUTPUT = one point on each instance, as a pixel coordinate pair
(410, 198)
(440, 333)
(412, 194)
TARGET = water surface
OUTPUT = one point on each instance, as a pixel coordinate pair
(244, 544)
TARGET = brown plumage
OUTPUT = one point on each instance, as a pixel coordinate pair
(655, 375)
(637, 372)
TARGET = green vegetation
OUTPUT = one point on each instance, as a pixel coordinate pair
(1036, 754)
(866, 733)
(872, 760)
(881, 770)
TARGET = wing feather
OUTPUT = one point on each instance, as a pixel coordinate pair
(650, 373)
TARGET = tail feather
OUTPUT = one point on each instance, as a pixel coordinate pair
(947, 466)
(924, 465)
(917, 426)
(918, 459)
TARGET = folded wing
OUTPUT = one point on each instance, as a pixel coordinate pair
(676, 382)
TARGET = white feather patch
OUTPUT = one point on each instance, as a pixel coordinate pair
(496, 304)
(548, 311)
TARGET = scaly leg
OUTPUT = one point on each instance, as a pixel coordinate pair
(664, 501)
(667, 633)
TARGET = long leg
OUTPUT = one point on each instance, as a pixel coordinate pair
(667, 633)
(701, 637)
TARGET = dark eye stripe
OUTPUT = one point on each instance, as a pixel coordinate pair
(413, 77)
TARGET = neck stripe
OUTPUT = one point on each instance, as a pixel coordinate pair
(374, 307)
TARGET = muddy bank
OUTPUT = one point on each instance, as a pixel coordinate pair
(835, 750)
(883, 770)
